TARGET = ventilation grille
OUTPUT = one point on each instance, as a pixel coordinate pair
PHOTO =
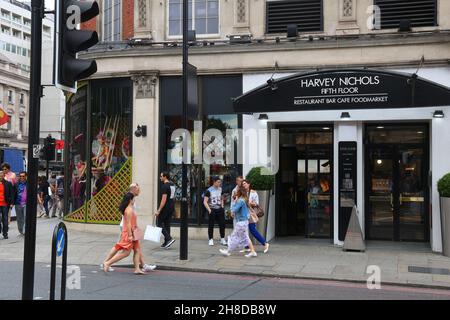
(421, 13)
(306, 14)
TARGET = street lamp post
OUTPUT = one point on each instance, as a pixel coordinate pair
(184, 203)
(37, 7)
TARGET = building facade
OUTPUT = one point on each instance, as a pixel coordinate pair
(15, 45)
(363, 54)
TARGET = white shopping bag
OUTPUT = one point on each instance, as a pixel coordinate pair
(153, 234)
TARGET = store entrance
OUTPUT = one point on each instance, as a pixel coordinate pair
(397, 182)
(305, 182)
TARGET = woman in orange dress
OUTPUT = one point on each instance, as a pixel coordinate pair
(127, 241)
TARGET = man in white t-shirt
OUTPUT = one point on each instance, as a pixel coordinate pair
(135, 190)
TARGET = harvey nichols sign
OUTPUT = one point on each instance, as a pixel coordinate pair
(343, 89)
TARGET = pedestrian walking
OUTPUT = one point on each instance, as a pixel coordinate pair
(42, 191)
(166, 209)
(11, 178)
(239, 180)
(6, 201)
(239, 238)
(128, 240)
(54, 199)
(135, 190)
(60, 194)
(21, 202)
(253, 200)
(44, 195)
(213, 202)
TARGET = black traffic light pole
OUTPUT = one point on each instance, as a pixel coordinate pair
(184, 204)
(37, 11)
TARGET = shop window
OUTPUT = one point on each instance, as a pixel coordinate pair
(111, 133)
(306, 14)
(205, 19)
(421, 13)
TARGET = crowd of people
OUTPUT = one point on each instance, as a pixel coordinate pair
(13, 196)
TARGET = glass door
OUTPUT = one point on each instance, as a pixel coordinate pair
(381, 193)
(412, 194)
(397, 183)
(319, 206)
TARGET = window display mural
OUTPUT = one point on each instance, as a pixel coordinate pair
(100, 149)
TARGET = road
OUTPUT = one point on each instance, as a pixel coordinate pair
(122, 284)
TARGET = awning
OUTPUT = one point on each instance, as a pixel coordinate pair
(343, 89)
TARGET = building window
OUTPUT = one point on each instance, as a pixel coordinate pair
(6, 30)
(112, 17)
(22, 98)
(8, 47)
(204, 21)
(26, 37)
(26, 22)
(10, 96)
(13, 48)
(17, 33)
(6, 14)
(46, 29)
(21, 125)
(24, 52)
(421, 13)
(306, 14)
(17, 18)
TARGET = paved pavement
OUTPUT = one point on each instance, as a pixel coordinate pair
(121, 285)
(288, 257)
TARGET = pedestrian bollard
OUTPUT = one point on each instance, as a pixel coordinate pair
(59, 247)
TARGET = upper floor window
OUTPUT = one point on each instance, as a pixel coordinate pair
(26, 37)
(22, 98)
(27, 22)
(17, 33)
(17, 18)
(421, 13)
(10, 96)
(6, 30)
(6, 14)
(306, 14)
(205, 19)
(112, 17)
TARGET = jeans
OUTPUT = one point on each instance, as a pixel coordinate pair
(4, 220)
(256, 234)
(219, 215)
(46, 201)
(163, 221)
(57, 203)
(21, 214)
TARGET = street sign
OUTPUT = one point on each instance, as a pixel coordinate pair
(37, 150)
(60, 242)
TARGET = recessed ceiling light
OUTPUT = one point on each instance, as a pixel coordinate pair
(380, 127)
(326, 128)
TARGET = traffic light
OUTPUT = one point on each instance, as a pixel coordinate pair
(69, 41)
(49, 148)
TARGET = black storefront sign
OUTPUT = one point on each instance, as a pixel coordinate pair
(347, 184)
(343, 89)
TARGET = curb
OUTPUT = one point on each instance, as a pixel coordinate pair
(280, 276)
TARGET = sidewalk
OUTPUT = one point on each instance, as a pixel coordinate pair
(287, 257)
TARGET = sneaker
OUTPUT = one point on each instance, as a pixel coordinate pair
(109, 269)
(223, 242)
(225, 252)
(148, 267)
(266, 249)
(5, 237)
(251, 254)
(211, 242)
(171, 241)
(164, 245)
(245, 250)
